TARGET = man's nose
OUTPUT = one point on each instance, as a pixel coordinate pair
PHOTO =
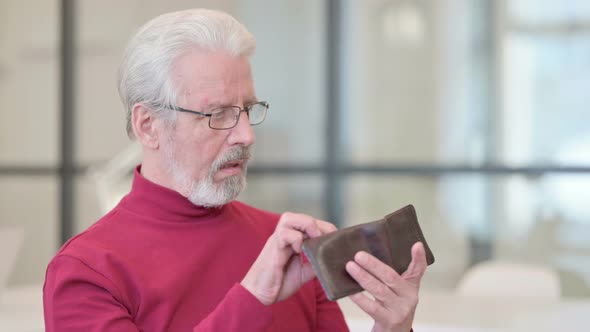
(242, 133)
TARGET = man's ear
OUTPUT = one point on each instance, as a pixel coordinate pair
(145, 127)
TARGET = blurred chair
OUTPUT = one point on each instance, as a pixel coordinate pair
(11, 239)
(514, 280)
(113, 179)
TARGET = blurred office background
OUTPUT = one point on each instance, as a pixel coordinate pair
(475, 111)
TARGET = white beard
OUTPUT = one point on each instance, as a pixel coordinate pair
(206, 192)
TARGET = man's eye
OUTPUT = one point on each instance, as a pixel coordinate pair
(218, 114)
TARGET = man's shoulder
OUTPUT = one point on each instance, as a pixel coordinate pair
(92, 240)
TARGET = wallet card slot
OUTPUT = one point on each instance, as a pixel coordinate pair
(377, 242)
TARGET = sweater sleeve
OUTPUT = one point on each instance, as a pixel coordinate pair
(329, 315)
(238, 311)
(77, 298)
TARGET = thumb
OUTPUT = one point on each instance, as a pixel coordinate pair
(307, 272)
(417, 266)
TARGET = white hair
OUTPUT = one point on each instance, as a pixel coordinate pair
(145, 72)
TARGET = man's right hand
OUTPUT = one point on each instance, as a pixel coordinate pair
(278, 272)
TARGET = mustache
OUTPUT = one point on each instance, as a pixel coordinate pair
(236, 153)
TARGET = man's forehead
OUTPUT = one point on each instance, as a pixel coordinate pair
(210, 66)
(213, 77)
(218, 91)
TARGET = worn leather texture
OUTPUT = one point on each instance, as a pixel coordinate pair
(389, 239)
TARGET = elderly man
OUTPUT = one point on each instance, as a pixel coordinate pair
(178, 253)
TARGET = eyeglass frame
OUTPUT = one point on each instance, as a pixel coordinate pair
(245, 109)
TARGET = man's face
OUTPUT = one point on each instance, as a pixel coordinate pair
(208, 166)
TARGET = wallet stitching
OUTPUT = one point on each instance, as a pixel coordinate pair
(420, 237)
(417, 233)
(415, 229)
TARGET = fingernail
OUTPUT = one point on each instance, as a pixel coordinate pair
(360, 256)
(351, 266)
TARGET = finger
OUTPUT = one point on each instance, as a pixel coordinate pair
(381, 271)
(326, 227)
(300, 222)
(307, 272)
(371, 307)
(297, 271)
(417, 266)
(368, 282)
(290, 238)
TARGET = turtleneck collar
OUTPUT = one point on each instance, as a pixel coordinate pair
(158, 202)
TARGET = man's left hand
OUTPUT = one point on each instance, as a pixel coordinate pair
(395, 296)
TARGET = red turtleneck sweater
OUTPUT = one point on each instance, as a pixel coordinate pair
(157, 262)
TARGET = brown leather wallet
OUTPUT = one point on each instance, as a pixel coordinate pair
(389, 239)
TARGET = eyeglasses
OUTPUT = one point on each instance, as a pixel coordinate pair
(227, 117)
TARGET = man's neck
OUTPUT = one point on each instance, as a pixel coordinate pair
(157, 173)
